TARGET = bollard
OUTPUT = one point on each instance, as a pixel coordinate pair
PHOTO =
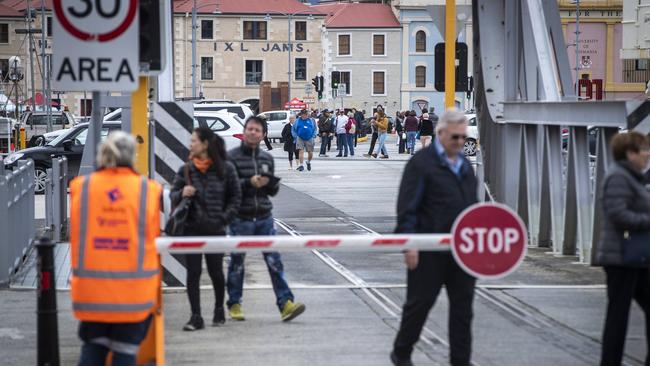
(23, 138)
(47, 327)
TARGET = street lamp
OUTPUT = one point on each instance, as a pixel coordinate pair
(289, 16)
(194, 26)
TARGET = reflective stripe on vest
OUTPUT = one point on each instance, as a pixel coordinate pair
(139, 273)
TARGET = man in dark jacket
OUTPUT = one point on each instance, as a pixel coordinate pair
(324, 129)
(437, 185)
(256, 168)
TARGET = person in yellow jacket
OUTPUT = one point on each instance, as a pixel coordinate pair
(115, 217)
(381, 125)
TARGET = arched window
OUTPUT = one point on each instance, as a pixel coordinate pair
(420, 41)
(420, 76)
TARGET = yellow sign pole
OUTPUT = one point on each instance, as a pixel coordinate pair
(140, 125)
(450, 54)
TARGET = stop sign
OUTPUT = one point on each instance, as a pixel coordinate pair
(489, 240)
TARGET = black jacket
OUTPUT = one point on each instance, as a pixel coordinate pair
(325, 124)
(431, 196)
(287, 137)
(426, 127)
(216, 201)
(255, 203)
(626, 206)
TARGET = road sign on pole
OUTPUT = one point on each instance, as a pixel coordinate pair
(96, 45)
(342, 90)
(489, 241)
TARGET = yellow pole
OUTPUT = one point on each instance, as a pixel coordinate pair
(450, 53)
(22, 139)
(140, 125)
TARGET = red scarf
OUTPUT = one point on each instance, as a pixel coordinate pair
(202, 164)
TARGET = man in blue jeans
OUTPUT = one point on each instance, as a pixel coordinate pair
(255, 168)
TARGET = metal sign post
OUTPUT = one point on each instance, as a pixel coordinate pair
(342, 91)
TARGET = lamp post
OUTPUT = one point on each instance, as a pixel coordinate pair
(289, 17)
(194, 26)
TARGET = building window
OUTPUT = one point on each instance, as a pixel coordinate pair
(253, 72)
(345, 79)
(420, 41)
(301, 31)
(207, 30)
(49, 27)
(344, 44)
(4, 33)
(378, 83)
(301, 69)
(378, 45)
(420, 76)
(206, 68)
(4, 69)
(641, 65)
(86, 107)
(254, 30)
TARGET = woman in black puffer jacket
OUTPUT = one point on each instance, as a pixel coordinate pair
(213, 187)
(626, 213)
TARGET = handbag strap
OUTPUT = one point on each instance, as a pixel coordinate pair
(186, 173)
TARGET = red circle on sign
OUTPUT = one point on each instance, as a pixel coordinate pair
(103, 37)
(489, 240)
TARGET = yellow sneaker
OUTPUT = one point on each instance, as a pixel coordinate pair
(291, 310)
(236, 313)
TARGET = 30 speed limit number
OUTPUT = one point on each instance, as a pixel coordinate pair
(95, 45)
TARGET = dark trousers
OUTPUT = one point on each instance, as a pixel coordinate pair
(293, 152)
(214, 263)
(122, 338)
(268, 143)
(423, 286)
(324, 141)
(402, 143)
(623, 285)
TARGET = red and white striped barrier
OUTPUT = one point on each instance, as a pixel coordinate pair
(284, 243)
(487, 241)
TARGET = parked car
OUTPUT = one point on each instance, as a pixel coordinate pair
(35, 123)
(472, 141)
(227, 125)
(6, 135)
(276, 121)
(69, 144)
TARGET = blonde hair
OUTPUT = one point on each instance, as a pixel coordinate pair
(117, 150)
(451, 116)
(350, 114)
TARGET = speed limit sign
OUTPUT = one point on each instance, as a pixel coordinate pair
(95, 45)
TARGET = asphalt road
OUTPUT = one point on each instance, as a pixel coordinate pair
(550, 312)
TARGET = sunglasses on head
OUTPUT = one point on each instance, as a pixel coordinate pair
(458, 137)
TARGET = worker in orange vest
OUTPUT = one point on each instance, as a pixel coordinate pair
(114, 221)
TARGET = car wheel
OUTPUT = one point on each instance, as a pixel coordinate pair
(40, 179)
(470, 147)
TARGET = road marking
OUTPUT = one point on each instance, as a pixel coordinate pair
(371, 292)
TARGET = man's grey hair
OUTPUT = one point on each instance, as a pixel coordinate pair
(117, 150)
(451, 116)
(292, 115)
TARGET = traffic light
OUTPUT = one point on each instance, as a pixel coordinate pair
(336, 79)
(462, 80)
(151, 34)
(314, 82)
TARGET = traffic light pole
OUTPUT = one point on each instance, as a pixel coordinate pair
(194, 49)
(450, 53)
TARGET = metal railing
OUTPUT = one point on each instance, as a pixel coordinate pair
(17, 226)
(56, 199)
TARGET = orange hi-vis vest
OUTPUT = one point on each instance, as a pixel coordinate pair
(114, 220)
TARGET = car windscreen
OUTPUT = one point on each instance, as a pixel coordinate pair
(41, 120)
(239, 111)
(61, 137)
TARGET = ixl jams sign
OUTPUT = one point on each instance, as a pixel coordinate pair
(268, 47)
